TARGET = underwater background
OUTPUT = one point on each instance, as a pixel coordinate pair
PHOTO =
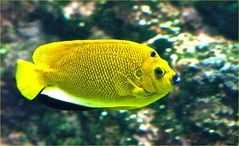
(198, 38)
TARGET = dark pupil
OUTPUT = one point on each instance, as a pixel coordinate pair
(153, 54)
(158, 71)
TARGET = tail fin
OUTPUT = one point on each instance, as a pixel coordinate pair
(28, 79)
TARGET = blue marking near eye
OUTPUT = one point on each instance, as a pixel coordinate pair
(176, 79)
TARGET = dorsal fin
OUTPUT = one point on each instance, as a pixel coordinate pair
(48, 54)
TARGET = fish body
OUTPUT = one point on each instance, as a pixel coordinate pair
(114, 74)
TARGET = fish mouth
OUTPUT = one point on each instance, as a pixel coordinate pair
(175, 80)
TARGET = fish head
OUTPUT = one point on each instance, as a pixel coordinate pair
(158, 77)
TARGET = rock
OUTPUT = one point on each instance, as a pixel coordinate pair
(160, 43)
(202, 48)
(214, 62)
(215, 13)
(194, 68)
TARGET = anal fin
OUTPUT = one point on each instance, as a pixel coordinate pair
(58, 104)
(57, 95)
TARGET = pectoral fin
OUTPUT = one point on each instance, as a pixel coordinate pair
(126, 87)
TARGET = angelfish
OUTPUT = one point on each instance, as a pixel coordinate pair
(115, 74)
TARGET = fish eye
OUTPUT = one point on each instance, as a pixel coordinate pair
(153, 54)
(159, 72)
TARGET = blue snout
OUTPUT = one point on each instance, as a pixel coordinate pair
(176, 79)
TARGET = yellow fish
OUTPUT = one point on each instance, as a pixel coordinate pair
(115, 74)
